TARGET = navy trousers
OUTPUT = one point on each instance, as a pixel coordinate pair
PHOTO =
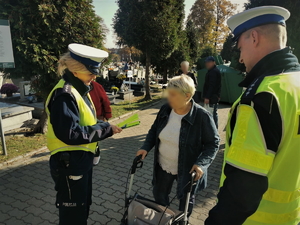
(72, 174)
(163, 187)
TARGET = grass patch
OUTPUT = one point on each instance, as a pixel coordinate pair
(17, 146)
(137, 103)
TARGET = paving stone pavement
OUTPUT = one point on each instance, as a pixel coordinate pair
(27, 193)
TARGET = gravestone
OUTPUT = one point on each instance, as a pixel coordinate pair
(14, 116)
(125, 95)
(25, 90)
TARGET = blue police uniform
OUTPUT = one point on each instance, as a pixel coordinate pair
(71, 164)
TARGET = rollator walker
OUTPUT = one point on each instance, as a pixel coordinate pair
(143, 211)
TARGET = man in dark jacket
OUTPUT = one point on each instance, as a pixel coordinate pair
(212, 88)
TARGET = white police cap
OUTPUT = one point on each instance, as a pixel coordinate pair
(89, 56)
(255, 17)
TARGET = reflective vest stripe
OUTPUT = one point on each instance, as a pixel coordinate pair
(279, 196)
(71, 148)
(249, 160)
(249, 152)
(272, 218)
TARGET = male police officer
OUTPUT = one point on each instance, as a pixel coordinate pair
(260, 183)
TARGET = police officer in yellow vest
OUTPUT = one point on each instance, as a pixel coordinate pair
(260, 182)
(73, 132)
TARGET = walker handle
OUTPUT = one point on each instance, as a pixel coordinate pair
(137, 163)
(192, 182)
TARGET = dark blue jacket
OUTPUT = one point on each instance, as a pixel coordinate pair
(198, 143)
(212, 85)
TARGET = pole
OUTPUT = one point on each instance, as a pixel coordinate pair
(130, 91)
(2, 136)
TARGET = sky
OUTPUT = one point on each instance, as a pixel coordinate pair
(107, 9)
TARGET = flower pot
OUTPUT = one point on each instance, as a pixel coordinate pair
(9, 94)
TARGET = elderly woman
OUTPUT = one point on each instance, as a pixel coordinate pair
(73, 132)
(185, 139)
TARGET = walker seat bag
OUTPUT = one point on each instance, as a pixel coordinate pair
(146, 212)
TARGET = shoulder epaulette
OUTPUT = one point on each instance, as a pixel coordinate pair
(66, 89)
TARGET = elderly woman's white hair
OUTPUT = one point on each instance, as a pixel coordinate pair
(184, 84)
(184, 63)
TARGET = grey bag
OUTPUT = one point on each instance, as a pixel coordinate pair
(143, 212)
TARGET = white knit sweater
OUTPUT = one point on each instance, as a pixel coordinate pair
(169, 144)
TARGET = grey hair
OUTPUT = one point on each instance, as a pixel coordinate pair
(184, 62)
(184, 84)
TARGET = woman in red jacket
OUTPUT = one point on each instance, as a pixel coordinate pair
(101, 101)
(103, 109)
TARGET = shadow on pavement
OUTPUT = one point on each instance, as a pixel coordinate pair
(27, 192)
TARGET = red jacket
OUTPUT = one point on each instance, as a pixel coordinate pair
(100, 100)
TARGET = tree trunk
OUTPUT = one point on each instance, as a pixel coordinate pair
(147, 81)
(130, 53)
(165, 75)
(41, 126)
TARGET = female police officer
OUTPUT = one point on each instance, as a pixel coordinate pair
(73, 132)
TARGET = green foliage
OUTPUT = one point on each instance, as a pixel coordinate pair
(226, 52)
(203, 18)
(151, 26)
(41, 31)
(170, 66)
(193, 40)
(148, 25)
(209, 19)
(230, 53)
(208, 50)
(223, 10)
(235, 63)
(293, 23)
(115, 57)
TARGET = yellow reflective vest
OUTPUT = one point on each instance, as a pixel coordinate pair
(247, 151)
(87, 118)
